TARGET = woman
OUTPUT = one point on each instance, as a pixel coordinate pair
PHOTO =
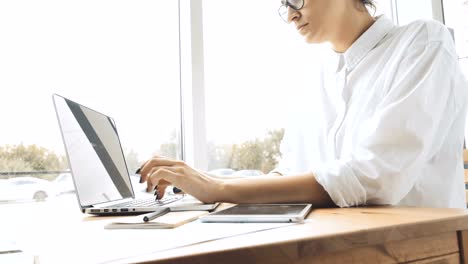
(392, 105)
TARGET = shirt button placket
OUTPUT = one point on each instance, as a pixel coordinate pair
(340, 110)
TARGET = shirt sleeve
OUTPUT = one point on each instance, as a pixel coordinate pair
(408, 127)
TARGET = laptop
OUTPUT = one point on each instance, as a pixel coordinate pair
(99, 171)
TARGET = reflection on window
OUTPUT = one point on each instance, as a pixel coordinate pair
(118, 57)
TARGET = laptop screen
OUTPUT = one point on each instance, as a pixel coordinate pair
(94, 153)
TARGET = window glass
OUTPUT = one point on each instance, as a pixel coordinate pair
(384, 7)
(118, 57)
(256, 67)
(409, 11)
(456, 12)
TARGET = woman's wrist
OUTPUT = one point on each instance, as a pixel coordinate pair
(223, 191)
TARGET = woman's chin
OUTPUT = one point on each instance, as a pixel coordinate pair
(311, 38)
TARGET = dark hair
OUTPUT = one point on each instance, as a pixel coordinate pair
(369, 3)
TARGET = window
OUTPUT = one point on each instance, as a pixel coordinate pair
(384, 7)
(247, 69)
(409, 11)
(253, 64)
(456, 12)
(117, 57)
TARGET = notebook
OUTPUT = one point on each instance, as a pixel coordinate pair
(169, 220)
(97, 163)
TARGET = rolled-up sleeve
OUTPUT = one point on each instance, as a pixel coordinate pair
(408, 127)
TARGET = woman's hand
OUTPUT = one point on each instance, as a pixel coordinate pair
(160, 172)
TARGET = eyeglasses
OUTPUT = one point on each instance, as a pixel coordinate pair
(294, 4)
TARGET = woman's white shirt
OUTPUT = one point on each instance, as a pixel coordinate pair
(386, 122)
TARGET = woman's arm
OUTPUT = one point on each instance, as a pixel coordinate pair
(230, 177)
(261, 189)
(272, 189)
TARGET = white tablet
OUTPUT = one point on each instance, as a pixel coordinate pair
(260, 213)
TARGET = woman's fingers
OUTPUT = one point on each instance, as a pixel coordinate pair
(161, 177)
(161, 190)
(160, 172)
(146, 162)
(151, 187)
(148, 167)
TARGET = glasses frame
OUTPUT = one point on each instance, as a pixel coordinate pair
(283, 9)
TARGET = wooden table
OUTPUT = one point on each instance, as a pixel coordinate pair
(353, 235)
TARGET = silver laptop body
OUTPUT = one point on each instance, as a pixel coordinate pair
(97, 163)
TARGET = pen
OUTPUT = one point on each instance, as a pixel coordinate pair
(150, 216)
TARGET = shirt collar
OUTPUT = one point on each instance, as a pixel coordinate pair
(367, 41)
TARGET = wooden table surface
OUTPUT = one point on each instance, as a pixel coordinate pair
(354, 235)
(351, 235)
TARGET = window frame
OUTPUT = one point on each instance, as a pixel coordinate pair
(192, 84)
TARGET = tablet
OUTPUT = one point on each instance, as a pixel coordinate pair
(260, 213)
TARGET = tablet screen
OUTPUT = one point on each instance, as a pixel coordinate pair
(263, 209)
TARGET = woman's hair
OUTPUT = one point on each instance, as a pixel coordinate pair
(369, 3)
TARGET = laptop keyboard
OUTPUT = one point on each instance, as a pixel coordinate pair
(150, 202)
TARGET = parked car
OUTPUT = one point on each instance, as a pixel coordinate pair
(26, 188)
(64, 184)
(248, 173)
